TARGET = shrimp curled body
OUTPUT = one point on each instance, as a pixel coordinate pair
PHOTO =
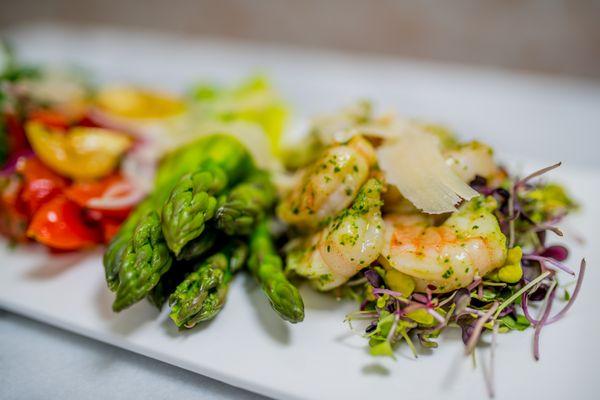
(444, 258)
(351, 242)
(329, 185)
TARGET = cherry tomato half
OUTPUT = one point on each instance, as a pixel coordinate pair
(60, 224)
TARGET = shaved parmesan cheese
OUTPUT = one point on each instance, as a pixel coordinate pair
(412, 162)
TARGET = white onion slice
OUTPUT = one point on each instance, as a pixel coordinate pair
(120, 196)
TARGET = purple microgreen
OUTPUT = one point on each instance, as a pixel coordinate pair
(479, 327)
(409, 342)
(488, 375)
(508, 310)
(547, 227)
(491, 388)
(361, 315)
(542, 322)
(531, 270)
(511, 217)
(413, 307)
(462, 300)
(357, 282)
(524, 289)
(538, 293)
(373, 277)
(466, 332)
(525, 307)
(436, 315)
(391, 307)
(363, 305)
(474, 311)
(392, 333)
(551, 261)
(569, 304)
(420, 298)
(515, 217)
(448, 299)
(474, 284)
(494, 284)
(536, 174)
(557, 252)
(396, 295)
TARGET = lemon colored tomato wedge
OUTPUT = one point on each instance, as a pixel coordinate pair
(79, 153)
(136, 103)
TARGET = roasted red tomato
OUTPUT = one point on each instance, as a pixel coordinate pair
(60, 224)
(40, 183)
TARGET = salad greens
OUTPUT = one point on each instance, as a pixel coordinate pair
(254, 100)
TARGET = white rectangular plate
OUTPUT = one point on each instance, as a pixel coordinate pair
(247, 345)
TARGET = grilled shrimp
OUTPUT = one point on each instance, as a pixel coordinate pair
(474, 159)
(329, 185)
(443, 258)
(352, 241)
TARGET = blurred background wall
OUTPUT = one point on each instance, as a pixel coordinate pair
(555, 36)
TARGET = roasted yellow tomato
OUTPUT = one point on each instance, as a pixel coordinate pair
(131, 102)
(80, 152)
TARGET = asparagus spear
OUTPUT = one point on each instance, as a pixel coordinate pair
(224, 151)
(191, 204)
(202, 293)
(199, 246)
(168, 282)
(267, 267)
(246, 204)
(114, 251)
(145, 258)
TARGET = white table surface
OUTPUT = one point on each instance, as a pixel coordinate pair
(38, 361)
